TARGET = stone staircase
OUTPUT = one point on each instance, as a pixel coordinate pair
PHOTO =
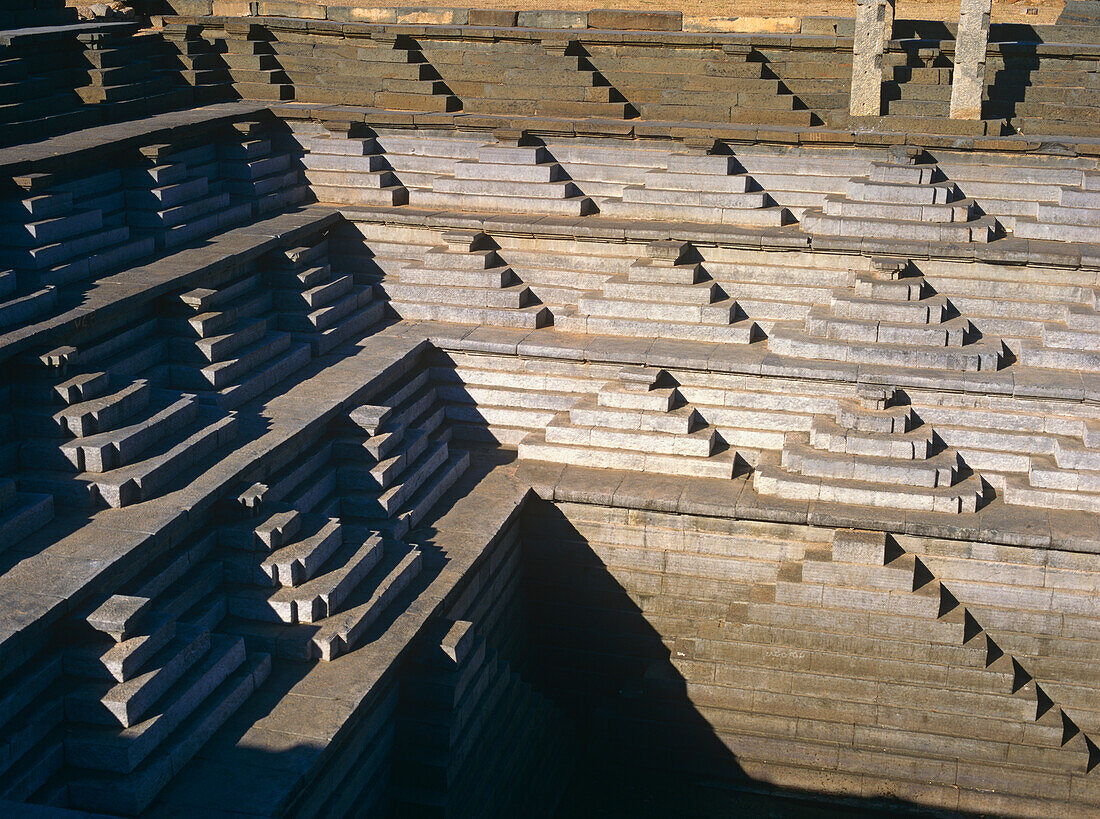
(667, 294)
(329, 554)
(874, 453)
(95, 434)
(315, 304)
(697, 187)
(150, 682)
(892, 318)
(253, 63)
(1074, 217)
(226, 343)
(509, 175)
(57, 79)
(730, 83)
(465, 280)
(641, 423)
(905, 198)
(347, 170)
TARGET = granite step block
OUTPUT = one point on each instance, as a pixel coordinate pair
(126, 702)
(264, 377)
(377, 179)
(488, 172)
(827, 435)
(935, 471)
(150, 477)
(389, 501)
(743, 332)
(531, 317)
(221, 374)
(374, 197)
(318, 295)
(535, 447)
(103, 412)
(121, 751)
(513, 296)
(723, 312)
(576, 206)
(120, 661)
(339, 634)
(381, 475)
(699, 443)
(28, 513)
(131, 795)
(301, 560)
(513, 189)
(105, 451)
(315, 598)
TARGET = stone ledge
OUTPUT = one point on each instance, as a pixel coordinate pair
(110, 297)
(77, 148)
(736, 499)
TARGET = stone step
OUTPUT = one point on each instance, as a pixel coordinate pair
(339, 634)
(696, 182)
(511, 296)
(823, 323)
(770, 479)
(221, 374)
(655, 399)
(103, 412)
(825, 434)
(150, 477)
(27, 513)
(959, 211)
(318, 295)
(636, 194)
(514, 189)
(319, 596)
(120, 661)
(680, 276)
(356, 179)
(536, 448)
(380, 475)
(700, 443)
(300, 560)
(1071, 339)
(125, 703)
(105, 451)
(375, 197)
(122, 751)
(133, 794)
(643, 305)
(178, 215)
(530, 174)
(461, 274)
(576, 206)
(1020, 493)
(416, 508)
(800, 456)
(930, 311)
(787, 338)
(755, 215)
(531, 317)
(891, 193)
(680, 421)
(220, 347)
(1055, 358)
(386, 503)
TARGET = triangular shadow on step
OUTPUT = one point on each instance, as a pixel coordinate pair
(599, 80)
(645, 746)
(769, 72)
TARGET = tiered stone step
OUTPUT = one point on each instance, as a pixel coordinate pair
(393, 477)
(152, 683)
(60, 231)
(552, 78)
(509, 176)
(95, 437)
(904, 199)
(668, 294)
(31, 725)
(1074, 217)
(253, 64)
(731, 83)
(130, 74)
(21, 513)
(890, 318)
(502, 400)
(227, 343)
(640, 423)
(875, 453)
(350, 171)
(255, 165)
(465, 281)
(317, 305)
(697, 187)
(176, 197)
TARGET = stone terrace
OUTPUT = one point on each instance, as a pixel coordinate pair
(465, 413)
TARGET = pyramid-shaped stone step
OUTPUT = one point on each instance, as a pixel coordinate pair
(316, 597)
(710, 188)
(339, 634)
(498, 188)
(386, 503)
(771, 478)
(800, 455)
(383, 472)
(828, 435)
(104, 748)
(281, 553)
(349, 170)
(125, 703)
(825, 322)
(132, 793)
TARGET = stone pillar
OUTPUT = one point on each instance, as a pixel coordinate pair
(968, 80)
(874, 25)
